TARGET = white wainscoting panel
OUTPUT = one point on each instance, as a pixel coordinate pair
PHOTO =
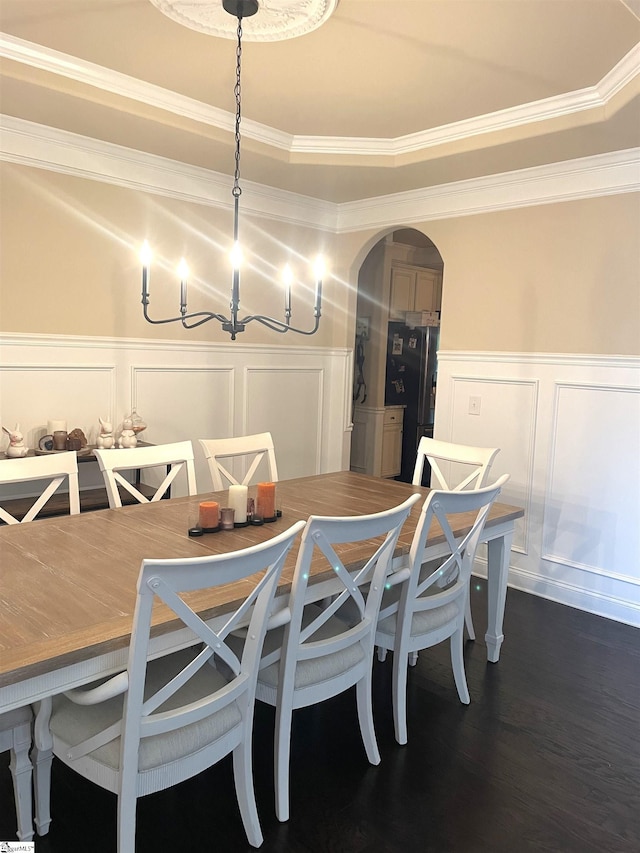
(184, 391)
(33, 394)
(592, 523)
(569, 431)
(288, 403)
(192, 400)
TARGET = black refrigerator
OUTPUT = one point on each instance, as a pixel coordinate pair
(411, 379)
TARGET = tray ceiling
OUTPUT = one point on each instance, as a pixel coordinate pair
(380, 96)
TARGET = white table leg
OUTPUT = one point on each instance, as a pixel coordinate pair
(499, 552)
(42, 758)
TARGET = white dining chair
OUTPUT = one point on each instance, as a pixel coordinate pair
(15, 737)
(47, 473)
(415, 612)
(173, 458)
(464, 466)
(454, 467)
(318, 654)
(251, 449)
(166, 719)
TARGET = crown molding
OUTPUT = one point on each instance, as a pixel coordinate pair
(29, 144)
(43, 147)
(581, 100)
(55, 62)
(571, 180)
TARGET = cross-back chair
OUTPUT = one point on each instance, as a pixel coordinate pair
(166, 719)
(252, 448)
(456, 460)
(175, 458)
(51, 470)
(455, 467)
(321, 652)
(416, 613)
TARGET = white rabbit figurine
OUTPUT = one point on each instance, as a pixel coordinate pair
(127, 436)
(17, 446)
(105, 438)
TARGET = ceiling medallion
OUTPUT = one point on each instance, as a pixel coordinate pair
(278, 19)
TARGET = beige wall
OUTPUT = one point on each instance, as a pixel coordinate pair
(561, 278)
(70, 263)
(552, 278)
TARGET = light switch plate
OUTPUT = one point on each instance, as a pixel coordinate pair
(474, 405)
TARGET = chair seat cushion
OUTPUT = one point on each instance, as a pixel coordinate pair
(423, 621)
(316, 670)
(73, 723)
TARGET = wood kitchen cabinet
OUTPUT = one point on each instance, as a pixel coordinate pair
(391, 464)
(414, 289)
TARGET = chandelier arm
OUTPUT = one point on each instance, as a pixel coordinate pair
(280, 326)
(208, 315)
(205, 315)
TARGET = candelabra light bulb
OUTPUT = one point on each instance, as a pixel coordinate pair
(145, 254)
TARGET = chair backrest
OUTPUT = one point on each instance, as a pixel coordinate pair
(257, 446)
(174, 457)
(441, 454)
(456, 565)
(54, 468)
(166, 581)
(361, 591)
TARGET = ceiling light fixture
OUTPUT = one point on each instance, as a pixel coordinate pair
(233, 324)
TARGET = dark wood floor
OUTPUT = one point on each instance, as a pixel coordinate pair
(546, 758)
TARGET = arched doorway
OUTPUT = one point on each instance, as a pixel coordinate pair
(397, 329)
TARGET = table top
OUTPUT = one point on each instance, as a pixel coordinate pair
(68, 584)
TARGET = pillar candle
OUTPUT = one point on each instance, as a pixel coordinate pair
(208, 515)
(238, 501)
(56, 426)
(266, 500)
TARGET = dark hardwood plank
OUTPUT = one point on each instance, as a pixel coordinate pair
(546, 758)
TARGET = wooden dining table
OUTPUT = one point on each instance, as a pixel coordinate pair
(68, 584)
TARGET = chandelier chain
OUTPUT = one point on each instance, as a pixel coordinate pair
(236, 191)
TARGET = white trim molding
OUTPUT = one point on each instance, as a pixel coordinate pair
(30, 144)
(108, 80)
(588, 177)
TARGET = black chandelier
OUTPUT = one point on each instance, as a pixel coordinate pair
(233, 324)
